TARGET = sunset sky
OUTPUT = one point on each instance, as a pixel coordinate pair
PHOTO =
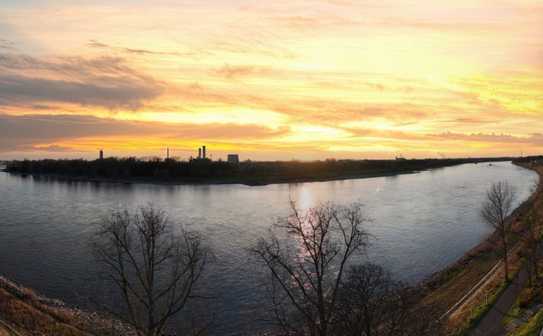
(271, 79)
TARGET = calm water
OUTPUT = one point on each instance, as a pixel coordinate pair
(421, 223)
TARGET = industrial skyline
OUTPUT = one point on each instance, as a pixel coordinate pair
(202, 155)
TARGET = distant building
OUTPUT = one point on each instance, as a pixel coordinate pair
(101, 155)
(233, 158)
(202, 152)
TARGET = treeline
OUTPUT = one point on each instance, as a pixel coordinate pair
(207, 171)
(529, 159)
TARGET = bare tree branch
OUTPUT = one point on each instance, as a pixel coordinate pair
(154, 269)
(308, 266)
(496, 208)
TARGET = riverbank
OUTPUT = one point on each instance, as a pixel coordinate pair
(197, 172)
(465, 290)
(26, 313)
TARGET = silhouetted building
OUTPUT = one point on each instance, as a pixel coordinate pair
(233, 158)
(101, 155)
(202, 155)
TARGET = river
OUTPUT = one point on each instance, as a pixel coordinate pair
(420, 223)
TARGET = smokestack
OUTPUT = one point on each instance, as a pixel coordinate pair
(204, 151)
(101, 156)
(167, 153)
(199, 153)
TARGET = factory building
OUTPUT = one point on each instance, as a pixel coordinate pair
(202, 154)
(233, 158)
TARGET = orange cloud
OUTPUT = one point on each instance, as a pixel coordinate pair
(277, 79)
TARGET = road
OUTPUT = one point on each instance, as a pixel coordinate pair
(491, 324)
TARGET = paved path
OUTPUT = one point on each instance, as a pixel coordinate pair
(491, 324)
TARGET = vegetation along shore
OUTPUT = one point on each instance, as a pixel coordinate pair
(205, 171)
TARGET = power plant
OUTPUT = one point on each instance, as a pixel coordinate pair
(202, 152)
(202, 155)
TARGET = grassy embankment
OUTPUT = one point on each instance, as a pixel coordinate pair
(25, 313)
(526, 316)
(449, 286)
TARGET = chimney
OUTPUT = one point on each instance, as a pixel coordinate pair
(101, 154)
(167, 153)
(204, 151)
(199, 153)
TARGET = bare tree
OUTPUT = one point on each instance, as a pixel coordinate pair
(307, 266)
(154, 268)
(496, 208)
(372, 303)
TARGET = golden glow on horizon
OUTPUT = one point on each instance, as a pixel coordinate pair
(277, 80)
(241, 116)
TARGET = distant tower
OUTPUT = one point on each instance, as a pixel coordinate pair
(101, 156)
(199, 153)
(204, 151)
(167, 153)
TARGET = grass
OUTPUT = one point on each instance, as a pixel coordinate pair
(514, 313)
(477, 314)
(528, 299)
(451, 284)
(24, 316)
(31, 314)
(531, 328)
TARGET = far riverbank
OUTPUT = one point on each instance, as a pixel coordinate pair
(171, 172)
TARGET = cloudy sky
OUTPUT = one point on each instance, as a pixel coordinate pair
(271, 79)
